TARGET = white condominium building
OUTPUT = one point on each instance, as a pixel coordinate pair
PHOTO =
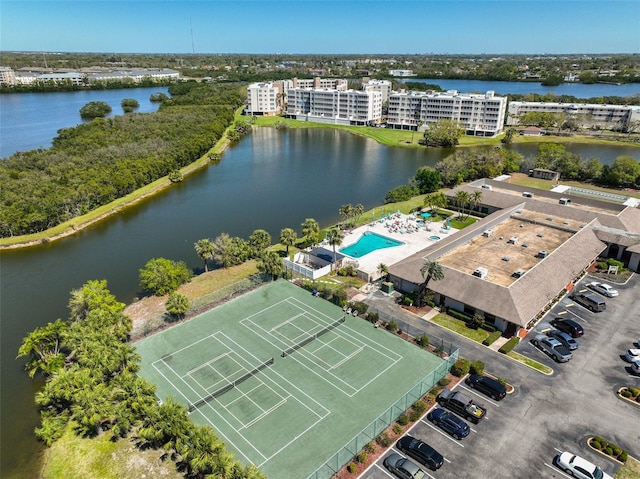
(7, 76)
(480, 115)
(264, 99)
(589, 114)
(383, 86)
(349, 107)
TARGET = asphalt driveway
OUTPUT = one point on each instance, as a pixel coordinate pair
(546, 414)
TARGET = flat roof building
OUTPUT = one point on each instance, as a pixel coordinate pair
(480, 115)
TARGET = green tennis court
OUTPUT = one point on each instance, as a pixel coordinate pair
(282, 376)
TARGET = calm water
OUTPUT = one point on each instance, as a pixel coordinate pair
(504, 87)
(271, 180)
(31, 120)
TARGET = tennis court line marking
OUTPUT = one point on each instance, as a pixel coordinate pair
(345, 386)
(223, 379)
(206, 404)
(208, 363)
(319, 406)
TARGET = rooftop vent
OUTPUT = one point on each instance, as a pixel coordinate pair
(505, 258)
(525, 245)
(513, 240)
(487, 233)
(549, 218)
(518, 273)
(542, 254)
(539, 235)
(564, 201)
(486, 187)
(526, 194)
(481, 272)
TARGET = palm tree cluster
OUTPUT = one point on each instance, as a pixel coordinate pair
(463, 199)
(92, 386)
(349, 213)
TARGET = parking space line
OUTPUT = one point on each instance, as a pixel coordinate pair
(455, 441)
(384, 469)
(481, 396)
(577, 316)
(558, 470)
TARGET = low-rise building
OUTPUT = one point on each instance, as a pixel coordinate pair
(530, 249)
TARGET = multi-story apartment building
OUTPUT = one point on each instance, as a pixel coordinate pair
(383, 86)
(264, 99)
(588, 114)
(340, 107)
(480, 115)
(7, 76)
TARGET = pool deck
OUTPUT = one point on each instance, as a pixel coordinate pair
(392, 228)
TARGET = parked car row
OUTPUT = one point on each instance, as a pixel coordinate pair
(458, 406)
(633, 357)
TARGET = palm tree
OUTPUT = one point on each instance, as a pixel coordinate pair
(271, 263)
(334, 237)
(475, 199)
(259, 241)
(383, 271)
(223, 252)
(310, 229)
(346, 212)
(431, 270)
(204, 249)
(357, 211)
(288, 238)
(461, 199)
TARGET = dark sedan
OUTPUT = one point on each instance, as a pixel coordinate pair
(489, 386)
(449, 422)
(421, 452)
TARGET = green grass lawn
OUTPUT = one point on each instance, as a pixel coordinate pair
(530, 362)
(630, 470)
(460, 327)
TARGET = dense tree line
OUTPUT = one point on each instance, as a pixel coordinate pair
(468, 164)
(97, 162)
(68, 85)
(92, 386)
(601, 100)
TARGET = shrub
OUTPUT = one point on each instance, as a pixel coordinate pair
(635, 392)
(392, 326)
(397, 428)
(351, 468)
(608, 450)
(407, 301)
(638, 399)
(384, 439)
(403, 420)
(369, 447)
(489, 327)
(359, 306)
(444, 382)
(372, 317)
(492, 338)
(509, 345)
(417, 410)
(458, 315)
(596, 444)
(502, 381)
(622, 457)
(423, 341)
(476, 367)
(625, 393)
(601, 265)
(461, 367)
(339, 297)
(361, 457)
(615, 262)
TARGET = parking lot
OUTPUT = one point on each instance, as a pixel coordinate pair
(548, 414)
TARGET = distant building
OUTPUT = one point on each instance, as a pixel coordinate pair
(589, 114)
(480, 115)
(7, 76)
(402, 73)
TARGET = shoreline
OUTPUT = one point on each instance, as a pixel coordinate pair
(77, 224)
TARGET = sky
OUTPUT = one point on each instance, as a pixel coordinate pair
(321, 26)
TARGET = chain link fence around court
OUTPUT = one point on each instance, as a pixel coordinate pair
(386, 419)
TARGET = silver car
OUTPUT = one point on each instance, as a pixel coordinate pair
(566, 339)
(553, 348)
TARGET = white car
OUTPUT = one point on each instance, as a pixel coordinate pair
(578, 467)
(632, 355)
(604, 289)
(635, 367)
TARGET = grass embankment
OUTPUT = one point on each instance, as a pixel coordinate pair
(71, 457)
(630, 469)
(525, 180)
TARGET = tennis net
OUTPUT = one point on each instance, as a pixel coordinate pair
(308, 339)
(229, 386)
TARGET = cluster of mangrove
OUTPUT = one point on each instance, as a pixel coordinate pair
(92, 386)
(95, 163)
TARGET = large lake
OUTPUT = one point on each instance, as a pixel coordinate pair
(578, 90)
(31, 120)
(272, 179)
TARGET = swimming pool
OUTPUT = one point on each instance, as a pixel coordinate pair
(367, 243)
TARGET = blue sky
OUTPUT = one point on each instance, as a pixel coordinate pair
(321, 26)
